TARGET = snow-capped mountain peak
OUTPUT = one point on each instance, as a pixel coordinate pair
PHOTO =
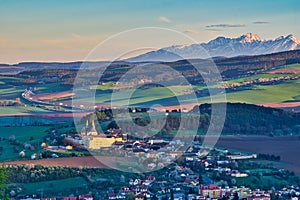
(293, 38)
(250, 37)
(247, 44)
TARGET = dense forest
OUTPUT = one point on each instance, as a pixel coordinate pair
(244, 119)
(252, 119)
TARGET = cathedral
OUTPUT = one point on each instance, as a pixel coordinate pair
(89, 130)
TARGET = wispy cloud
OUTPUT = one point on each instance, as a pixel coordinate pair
(225, 25)
(164, 19)
(261, 22)
(213, 29)
(191, 31)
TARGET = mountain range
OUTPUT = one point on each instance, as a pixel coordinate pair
(247, 44)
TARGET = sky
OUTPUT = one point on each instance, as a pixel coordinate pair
(67, 30)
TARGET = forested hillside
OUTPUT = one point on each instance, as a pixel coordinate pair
(252, 119)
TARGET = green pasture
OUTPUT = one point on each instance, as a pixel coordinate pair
(50, 88)
(22, 134)
(64, 186)
(262, 181)
(292, 66)
(286, 91)
(15, 110)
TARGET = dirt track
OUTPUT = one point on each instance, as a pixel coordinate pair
(290, 106)
(51, 96)
(284, 71)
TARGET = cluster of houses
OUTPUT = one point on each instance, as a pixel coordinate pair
(181, 182)
(182, 178)
(259, 81)
(116, 140)
(79, 197)
(139, 189)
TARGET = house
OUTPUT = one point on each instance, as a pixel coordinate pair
(238, 174)
(140, 197)
(195, 197)
(149, 180)
(85, 197)
(241, 157)
(69, 147)
(112, 196)
(120, 196)
(259, 196)
(124, 190)
(143, 196)
(33, 156)
(69, 198)
(179, 196)
(151, 166)
(139, 189)
(97, 142)
(211, 190)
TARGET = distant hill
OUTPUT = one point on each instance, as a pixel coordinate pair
(248, 44)
(228, 67)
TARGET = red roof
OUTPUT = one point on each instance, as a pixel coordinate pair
(83, 196)
(124, 188)
(209, 187)
(70, 198)
(150, 177)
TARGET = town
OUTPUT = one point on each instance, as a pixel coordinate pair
(168, 173)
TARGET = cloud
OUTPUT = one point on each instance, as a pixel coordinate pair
(261, 22)
(225, 25)
(192, 31)
(213, 29)
(164, 19)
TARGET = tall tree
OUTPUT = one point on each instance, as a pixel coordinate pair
(3, 180)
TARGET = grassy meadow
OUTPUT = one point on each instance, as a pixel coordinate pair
(23, 134)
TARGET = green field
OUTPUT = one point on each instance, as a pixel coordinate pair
(63, 186)
(293, 66)
(141, 96)
(287, 91)
(257, 76)
(8, 91)
(280, 92)
(50, 88)
(262, 181)
(14, 110)
(22, 134)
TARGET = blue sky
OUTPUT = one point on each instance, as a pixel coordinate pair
(66, 30)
